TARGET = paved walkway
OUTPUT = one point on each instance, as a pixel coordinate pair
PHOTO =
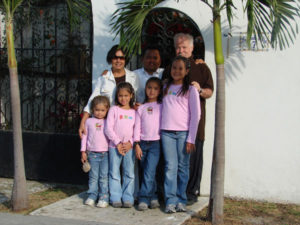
(73, 208)
(72, 211)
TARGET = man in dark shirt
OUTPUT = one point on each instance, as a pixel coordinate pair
(201, 78)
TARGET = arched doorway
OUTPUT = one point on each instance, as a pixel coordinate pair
(162, 24)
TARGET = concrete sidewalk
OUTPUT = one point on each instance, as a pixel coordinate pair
(17, 219)
(72, 211)
(73, 208)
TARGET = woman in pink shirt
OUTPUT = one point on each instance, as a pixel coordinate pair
(147, 142)
(119, 130)
(179, 123)
(96, 144)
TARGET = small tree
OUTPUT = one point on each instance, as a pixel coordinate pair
(9, 7)
(264, 16)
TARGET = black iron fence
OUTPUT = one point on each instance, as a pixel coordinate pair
(54, 66)
(53, 94)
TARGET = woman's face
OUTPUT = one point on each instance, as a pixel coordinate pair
(118, 61)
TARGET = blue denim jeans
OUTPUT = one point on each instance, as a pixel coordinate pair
(177, 162)
(118, 192)
(149, 161)
(98, 176)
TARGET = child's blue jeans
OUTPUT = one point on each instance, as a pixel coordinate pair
(118, 192)
(98, 176)
(176, 166)
(149, 161)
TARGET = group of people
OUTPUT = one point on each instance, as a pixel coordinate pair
(139, 115)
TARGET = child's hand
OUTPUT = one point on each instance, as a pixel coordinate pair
(127, 146)
(121, 149)
(83, 157)
(136, 105)
(196, 85)
(138, 152)
(190, 147)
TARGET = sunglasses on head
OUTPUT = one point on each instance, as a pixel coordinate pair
(119, 57)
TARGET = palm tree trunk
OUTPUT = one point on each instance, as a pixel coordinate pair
(216, 202)
(19, 192)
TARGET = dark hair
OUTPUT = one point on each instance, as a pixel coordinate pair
(186, 80)
(151, 47)
(112, 53)
(129, 88)
(100, 99)
(160, 85)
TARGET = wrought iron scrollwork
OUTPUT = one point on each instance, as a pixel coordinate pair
(54, 65)
(161, 25)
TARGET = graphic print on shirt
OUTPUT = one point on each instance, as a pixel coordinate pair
(98, 126)
(125, 117)
(172, 93)
(150, 110)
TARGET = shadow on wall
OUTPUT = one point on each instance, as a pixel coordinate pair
(234, 59)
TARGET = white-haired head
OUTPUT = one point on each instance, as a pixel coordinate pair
(184, 44)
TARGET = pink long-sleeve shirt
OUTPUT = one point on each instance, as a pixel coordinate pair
(147, 122)
(181, 113)
(119, 125)
(94, 140)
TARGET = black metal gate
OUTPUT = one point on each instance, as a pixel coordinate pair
(55, 72)
(54, 65)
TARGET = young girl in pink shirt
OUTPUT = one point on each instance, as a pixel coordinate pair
(147, 142)
(119, 130)
(179, 123)
(96, 144)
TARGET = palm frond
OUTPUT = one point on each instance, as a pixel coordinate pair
(127, 21)
(274, 18)
(78, 9)
(10, 6)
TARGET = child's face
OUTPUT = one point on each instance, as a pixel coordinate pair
(178, 71)
(100, 111)
(124, 97)
(152, 91)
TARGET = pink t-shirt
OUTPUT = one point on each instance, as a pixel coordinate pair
(147, 122)
(119, 125)
(181, 113)
(94, 140)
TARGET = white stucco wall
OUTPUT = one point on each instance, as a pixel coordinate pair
(262, 107)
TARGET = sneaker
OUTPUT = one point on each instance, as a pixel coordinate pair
(142, 206)
(191, 201)
(127, 204)
(170, 209)
(116, 204)
(102, 204)
(154, 204)
(180, 207)
(89, 202)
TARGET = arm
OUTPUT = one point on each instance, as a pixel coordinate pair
(109, 128)
(137, 127)
(208, 86)
(138, 152)
(95, 92)
(195, 113)
(83, 147)
(86, 109)
(203, 92)
(82, 129)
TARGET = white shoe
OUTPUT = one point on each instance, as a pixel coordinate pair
(102, 204)
(89, 202)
